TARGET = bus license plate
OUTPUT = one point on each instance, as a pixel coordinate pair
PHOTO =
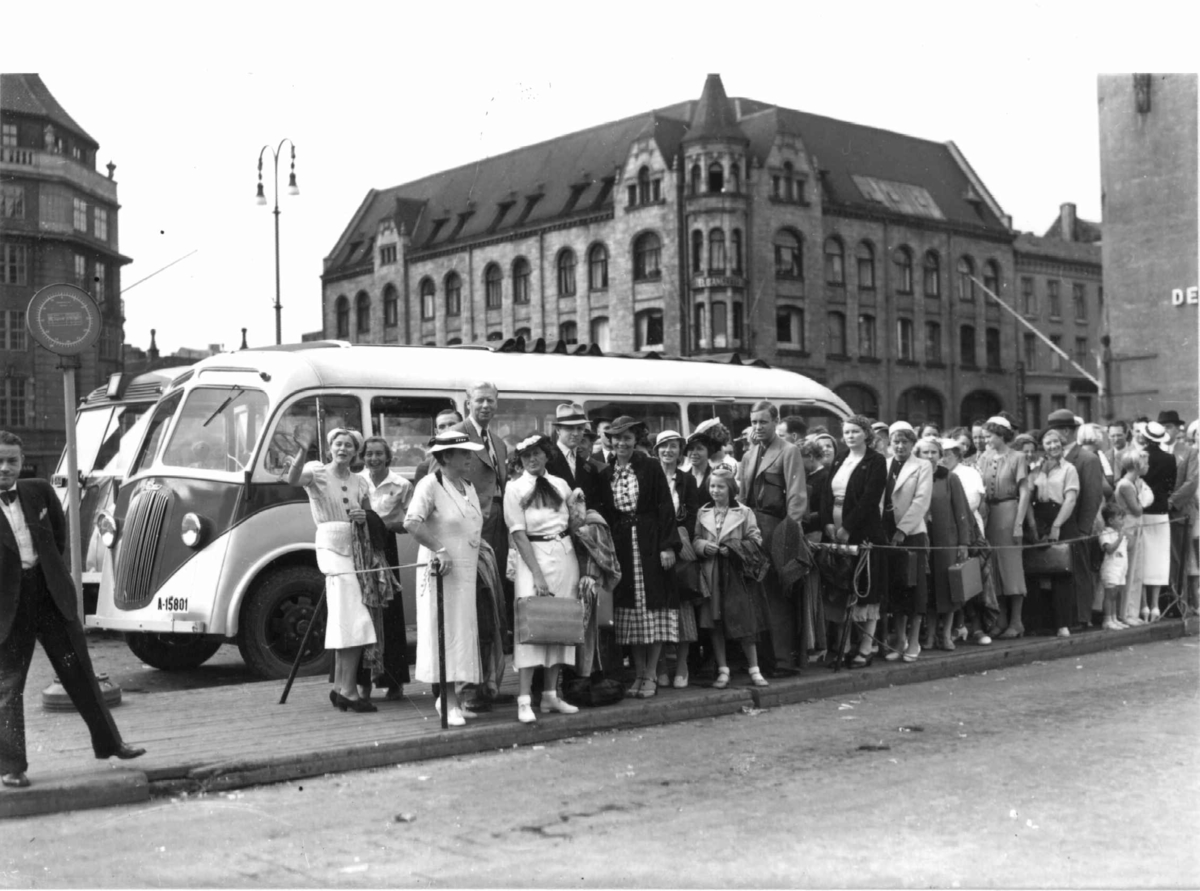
(172, 604)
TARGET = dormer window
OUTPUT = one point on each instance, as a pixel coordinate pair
(716, 177)
(462, 221)
(502, 210)
(530, 201)
(577, 191)
(438, 225)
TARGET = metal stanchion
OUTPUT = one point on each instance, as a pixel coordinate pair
(441, 610)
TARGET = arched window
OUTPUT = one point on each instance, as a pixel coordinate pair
(647, 256)
(920, 405)
(493, 287)
(697, 251)
(700, 333)
(835, 261)
(427, 298)
(391, 306)
(648, 329)
(904, 340)
(716, 252)
(520, 276)
(644, 185)
(694, 185)
(720, 325)
(982, 404)
(735, 244)
(966, 346)
(453, 286)
(789, 255)
(933, 274)
(568, 332)
(867, 341)
(566, 273)
(342, 311)
(716, 177)
(991, 276)
(735, 178)
(865, 254)
(789, 328)
(862, 400)
(966, 272)
(599, 333)
(902, 258)
(933, 342)
(598, 267)
(837, 334)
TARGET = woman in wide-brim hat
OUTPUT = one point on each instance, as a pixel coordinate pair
(636, 503)
(446, 520)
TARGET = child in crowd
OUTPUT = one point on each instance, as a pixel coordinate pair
(1114, 567)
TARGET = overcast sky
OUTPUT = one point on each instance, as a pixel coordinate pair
(378, 94)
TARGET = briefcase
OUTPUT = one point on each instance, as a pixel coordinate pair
(549, 620)
(1051, 559)
(966, 581)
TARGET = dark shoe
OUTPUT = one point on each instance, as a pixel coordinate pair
(477, 705)
(360, 705)
(15, 780)
(861, 661)
(334, 698)
(394, 693)
(125, 752)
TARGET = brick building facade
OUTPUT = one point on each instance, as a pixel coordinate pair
(58, 223)
(844, 252)
(1148, 171)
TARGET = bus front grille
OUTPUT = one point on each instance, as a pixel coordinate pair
(139, 548)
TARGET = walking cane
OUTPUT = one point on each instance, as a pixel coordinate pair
(287, 688)
(441, 606)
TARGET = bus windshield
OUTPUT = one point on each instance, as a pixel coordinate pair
(217, 429)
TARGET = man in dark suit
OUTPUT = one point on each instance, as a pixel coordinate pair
(570, 420)
(772, 482)
(1181, 506)
(1087, 506)
(489, 472)
(38, 602)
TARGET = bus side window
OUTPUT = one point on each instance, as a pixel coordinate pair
(314, 416)
(657, 416)
(406, 422)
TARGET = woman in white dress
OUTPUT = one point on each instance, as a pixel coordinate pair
(536, 512)
(338, 498)
(445, 519)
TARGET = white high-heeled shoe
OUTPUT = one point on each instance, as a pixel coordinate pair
(551, 703)
(525, 709)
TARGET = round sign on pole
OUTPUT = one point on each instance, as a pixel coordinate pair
(64, 319)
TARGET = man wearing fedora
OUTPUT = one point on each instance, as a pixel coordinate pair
(1087, 507)
(37, 603)
(570, 421)
(1182, 503)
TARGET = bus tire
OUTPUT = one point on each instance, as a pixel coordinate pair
(172, 652)
(274, 619)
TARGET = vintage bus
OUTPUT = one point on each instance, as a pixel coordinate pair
(106, 422)
(207, 542)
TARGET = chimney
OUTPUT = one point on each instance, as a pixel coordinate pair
(1066, 219)
(152, 353)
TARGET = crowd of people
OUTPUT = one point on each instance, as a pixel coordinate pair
(884, 540)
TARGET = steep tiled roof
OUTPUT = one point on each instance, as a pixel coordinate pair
(27, 94)
(464, 203)
(1056, 249)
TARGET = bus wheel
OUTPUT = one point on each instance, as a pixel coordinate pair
(172, 652)
(274, 620)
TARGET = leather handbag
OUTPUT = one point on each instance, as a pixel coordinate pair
(550, 620)
(966, 581)
(1052, 559)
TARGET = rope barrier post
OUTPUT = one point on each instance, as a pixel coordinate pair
(441, 611)
(312, 620)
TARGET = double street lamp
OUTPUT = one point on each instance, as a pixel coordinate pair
(293, 189)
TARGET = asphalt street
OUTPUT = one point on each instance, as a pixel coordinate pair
(1080, 772)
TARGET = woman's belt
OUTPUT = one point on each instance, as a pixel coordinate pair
(555, 537)
(839, 500)
(999, 500)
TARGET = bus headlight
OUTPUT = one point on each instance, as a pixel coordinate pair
(191, 530)
(107, 527)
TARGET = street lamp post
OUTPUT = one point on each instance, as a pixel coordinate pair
(293, 189)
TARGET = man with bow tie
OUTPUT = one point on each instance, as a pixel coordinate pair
(38, 603)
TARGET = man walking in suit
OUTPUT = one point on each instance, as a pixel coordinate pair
(772, 474)
(570, 420)
(38, 603)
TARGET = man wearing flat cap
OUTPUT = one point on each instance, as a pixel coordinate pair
(570, 421)
(1087, 507)
(1181, 506)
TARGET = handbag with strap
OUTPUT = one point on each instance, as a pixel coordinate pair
(1052, 559)
(549, 620)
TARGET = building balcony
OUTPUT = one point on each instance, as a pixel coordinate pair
(25, 162)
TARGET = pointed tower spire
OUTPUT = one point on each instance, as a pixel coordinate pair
(714, 117)
(153, 351)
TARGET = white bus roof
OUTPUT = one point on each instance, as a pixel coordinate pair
(292, 368)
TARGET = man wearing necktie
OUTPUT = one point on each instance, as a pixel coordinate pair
(38, 603)
(772, 480)
(570, 420)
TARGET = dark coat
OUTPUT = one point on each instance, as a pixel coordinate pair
(1160, 477)
(656, 532)
(689, 501)
(861, 512)
(586, 477)
(816, 495)
(950, 525)
(48, 529)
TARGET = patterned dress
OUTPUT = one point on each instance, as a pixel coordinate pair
(638, 625)
(1002, 474)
